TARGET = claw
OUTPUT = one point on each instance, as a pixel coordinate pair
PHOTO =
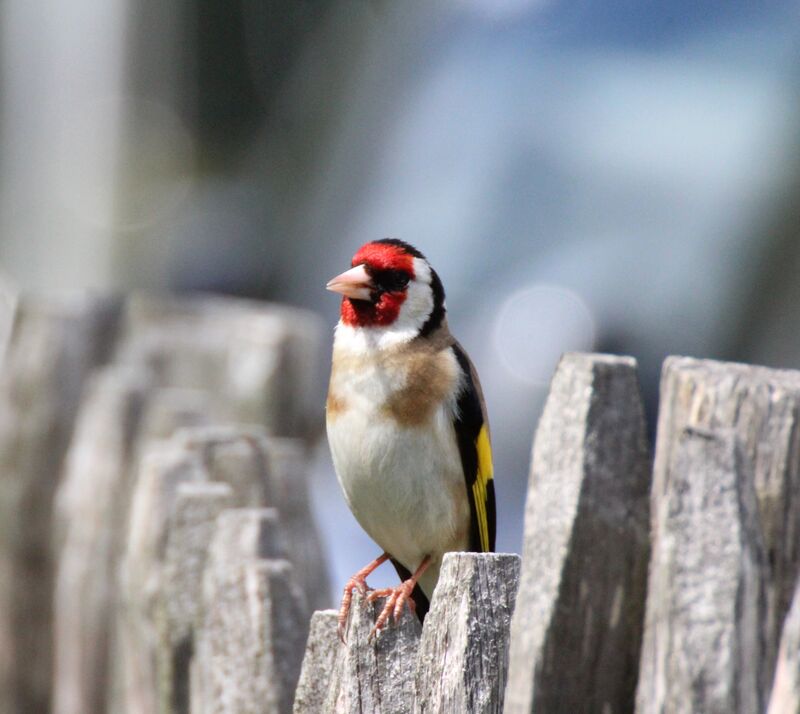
(344, 611)
(383, 592)
(357, 582)
(396, 597)
(393, 607)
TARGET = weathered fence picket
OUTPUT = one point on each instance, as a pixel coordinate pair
(319, 662)
(456, 662)
(703, 649)
(762, 407)
(189, 531)
(241, 536)
(258, 359)
(578, 619)
(288, 493)
(462, 663)
(89, 509)
(161, 471)
(253, 628)
(374, 674)
(54, 346)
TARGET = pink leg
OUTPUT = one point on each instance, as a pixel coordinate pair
(397, 597)
(357, 582)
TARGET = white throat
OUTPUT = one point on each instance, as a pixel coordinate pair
(366, 340)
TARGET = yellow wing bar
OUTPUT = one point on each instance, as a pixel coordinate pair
(485, 474)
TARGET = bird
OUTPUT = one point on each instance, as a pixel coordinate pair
(407, 426)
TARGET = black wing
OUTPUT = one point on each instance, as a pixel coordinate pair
(472, 433)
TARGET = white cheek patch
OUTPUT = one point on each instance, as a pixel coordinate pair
(418, 305)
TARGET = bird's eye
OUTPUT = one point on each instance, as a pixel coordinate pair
(391, 280)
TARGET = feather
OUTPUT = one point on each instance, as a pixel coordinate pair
(472, 433)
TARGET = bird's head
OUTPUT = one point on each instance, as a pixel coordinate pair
(390, 285)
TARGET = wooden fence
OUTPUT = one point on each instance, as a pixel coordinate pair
(157, 552)
(156, 531)
(658, 586)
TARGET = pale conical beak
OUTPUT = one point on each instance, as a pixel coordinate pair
(354, 283)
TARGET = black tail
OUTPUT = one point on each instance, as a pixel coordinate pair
(420, 598)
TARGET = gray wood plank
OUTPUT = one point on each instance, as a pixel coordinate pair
(703, 649)
(577, 625)
(463, 655)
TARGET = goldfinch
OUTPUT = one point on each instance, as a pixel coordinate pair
(406, 424)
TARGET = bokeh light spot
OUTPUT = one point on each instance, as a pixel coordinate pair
(536, 325)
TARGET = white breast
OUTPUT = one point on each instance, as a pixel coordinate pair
(404, 484)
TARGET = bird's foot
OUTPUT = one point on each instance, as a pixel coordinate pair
(393, 607)
(357, 582)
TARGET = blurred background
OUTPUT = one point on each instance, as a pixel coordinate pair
(584, 175)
